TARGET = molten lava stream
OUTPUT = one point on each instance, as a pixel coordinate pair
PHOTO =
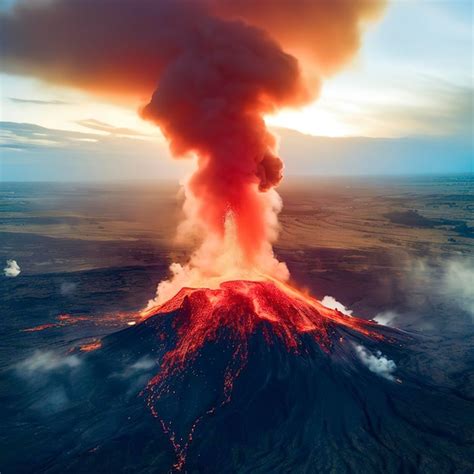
(233, 312)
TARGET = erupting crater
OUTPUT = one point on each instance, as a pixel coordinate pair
(223, 322)
(243, 307)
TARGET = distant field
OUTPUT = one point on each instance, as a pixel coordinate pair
(68, 227)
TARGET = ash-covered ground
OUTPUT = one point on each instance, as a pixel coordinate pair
(395, 250)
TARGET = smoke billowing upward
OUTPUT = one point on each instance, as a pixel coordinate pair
(211, 101)
(213, 70)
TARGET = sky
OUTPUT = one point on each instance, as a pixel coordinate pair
(407, 97)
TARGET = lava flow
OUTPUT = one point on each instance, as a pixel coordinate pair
(231, 315)
(242, 307)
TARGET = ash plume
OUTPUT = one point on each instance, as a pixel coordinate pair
(213, 70)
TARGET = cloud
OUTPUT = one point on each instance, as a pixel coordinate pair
(47, 377)
(47, 361)
(46, 40)
(143, 364)
(17, 100)
(12, 269)
(378, 363)
(32, 137)
(135, 375)
(105, 127)
(428, 108)
(34, 153)
(137, 368)
(433, 295)
(31, 153)
(332, 303)
(448, 281)
(27, 136)
(458, 281)
(67, 288)
(386, 317)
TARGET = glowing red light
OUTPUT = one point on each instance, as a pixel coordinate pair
(278, 311)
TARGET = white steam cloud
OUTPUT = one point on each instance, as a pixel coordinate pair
(377, 363)
(432, 286)
(459, 283)
(137, 368)
(386, 318)
(48, 374)
(47, 361)
(67, 288)
(332, 303)
(12, 269)
(452, 281)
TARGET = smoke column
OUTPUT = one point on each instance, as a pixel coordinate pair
(213, 70)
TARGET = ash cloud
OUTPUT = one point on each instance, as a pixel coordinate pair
(206, 72)
(12, 269)
(85, 43)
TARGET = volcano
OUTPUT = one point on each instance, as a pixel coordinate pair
(252, 376)
(231, 316)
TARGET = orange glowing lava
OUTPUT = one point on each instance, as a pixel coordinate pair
(116, 319)
(41, 327)
(243, 306)
(239, 309)
(91, 346)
